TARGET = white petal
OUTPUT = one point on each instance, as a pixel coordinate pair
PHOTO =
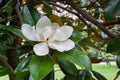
(46, 33)
(41, 49)
(27, 31)
(36, 35)
(62, 33)
(62, 46)
(42, 23)
(55, 26)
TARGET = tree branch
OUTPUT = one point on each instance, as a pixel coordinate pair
(111, 23)
(82, 19)
(91, 19)
(18, 11)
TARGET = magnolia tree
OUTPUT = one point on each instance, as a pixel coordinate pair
(38, 35)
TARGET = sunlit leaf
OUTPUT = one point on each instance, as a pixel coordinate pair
(76, 57)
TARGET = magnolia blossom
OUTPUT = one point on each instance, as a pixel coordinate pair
(48, 35)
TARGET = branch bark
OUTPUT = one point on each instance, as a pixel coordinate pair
(90, 18)
(111, 23)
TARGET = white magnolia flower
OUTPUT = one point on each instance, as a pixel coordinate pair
(49, 35)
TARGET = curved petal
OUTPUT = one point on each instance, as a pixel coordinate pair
(36, 35)
(41, 49)
(42, 23)
(55, 26)
(62, 33)
(62, 46)
(27, 32)
(46, 33)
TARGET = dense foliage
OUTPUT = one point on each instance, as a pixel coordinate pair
(96, 25)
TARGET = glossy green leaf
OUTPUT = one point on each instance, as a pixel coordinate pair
(118, 60)
(112, 9)
(30, 15)
(13, 30)
(84, 75)
(77, 36)
(68, 67)
(76, 57)
(9, 6)
(24, 49)
(40, 66)
(4, 71)
(98, 76)
(114, 45)
(84, 2)
(6, 37)
(22, 69)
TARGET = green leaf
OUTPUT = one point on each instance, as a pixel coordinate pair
(22, 69)
(98, 76)
(4, 47)
(87, 42)
(97, 13)
(84, 75)
(30, 15)
(114, 45)
(5, 37)
(40, 66)
(77, 36)
(118, 60)
(84, 2)
(9, 6)
(76, 57)
(68, 67)
(4, 71)
(112, 9)
(13, 30)
(24, 49)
